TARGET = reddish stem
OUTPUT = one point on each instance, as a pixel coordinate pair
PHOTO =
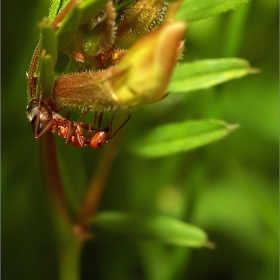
(51, 176)
(95, 188)
(60, 17)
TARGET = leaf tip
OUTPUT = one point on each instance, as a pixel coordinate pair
(254, 70)
(210, 245)
(233, 126)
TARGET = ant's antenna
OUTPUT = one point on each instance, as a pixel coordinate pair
(120, 126)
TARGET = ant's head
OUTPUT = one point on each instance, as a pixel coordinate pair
(99, 139)
(39, 118)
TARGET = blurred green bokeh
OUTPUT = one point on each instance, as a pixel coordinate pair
(229, 189)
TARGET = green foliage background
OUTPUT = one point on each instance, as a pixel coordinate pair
(229, 188)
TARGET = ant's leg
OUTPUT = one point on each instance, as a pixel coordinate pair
(89, 130)
(38, 117)
(111, 122)
(71, 132)
(75, 136)
(83, 114)
(108, 129)
(46, 128)
(84, 125)
(81, 140)
(78, 140)
(92, 128)
(95, 118)
(46, 116)
(100, 120)
(66, 126)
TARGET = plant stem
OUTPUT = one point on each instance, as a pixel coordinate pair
(51, 176)
(96, 186)
(70, 261)
(69, 246)
(71, 238)
(236, 28)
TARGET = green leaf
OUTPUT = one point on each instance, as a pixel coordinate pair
(46, 74)
(123, 4)
(207, 73)
(174, 138)
(47, 58)
(55, 4)
(191, 10)
(91, 8)
(48, 42)
(159, 228)
(68, 28)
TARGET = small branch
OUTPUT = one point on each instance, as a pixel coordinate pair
(69, 247)
(51, 176)
(60, 17)
(95, 187)
(70, 261)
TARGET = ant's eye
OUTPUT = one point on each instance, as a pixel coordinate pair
(99, 143)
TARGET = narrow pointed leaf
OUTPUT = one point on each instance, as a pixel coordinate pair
(91, 8)
(175, 138)
(47, 58)
(46, 74)
(200, 9)
(123, 4)
(48, 42)
(68, 28)
(55, 4)
(207, 73)
(158, 228)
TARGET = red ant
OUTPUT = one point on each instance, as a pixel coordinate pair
(42, 118)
